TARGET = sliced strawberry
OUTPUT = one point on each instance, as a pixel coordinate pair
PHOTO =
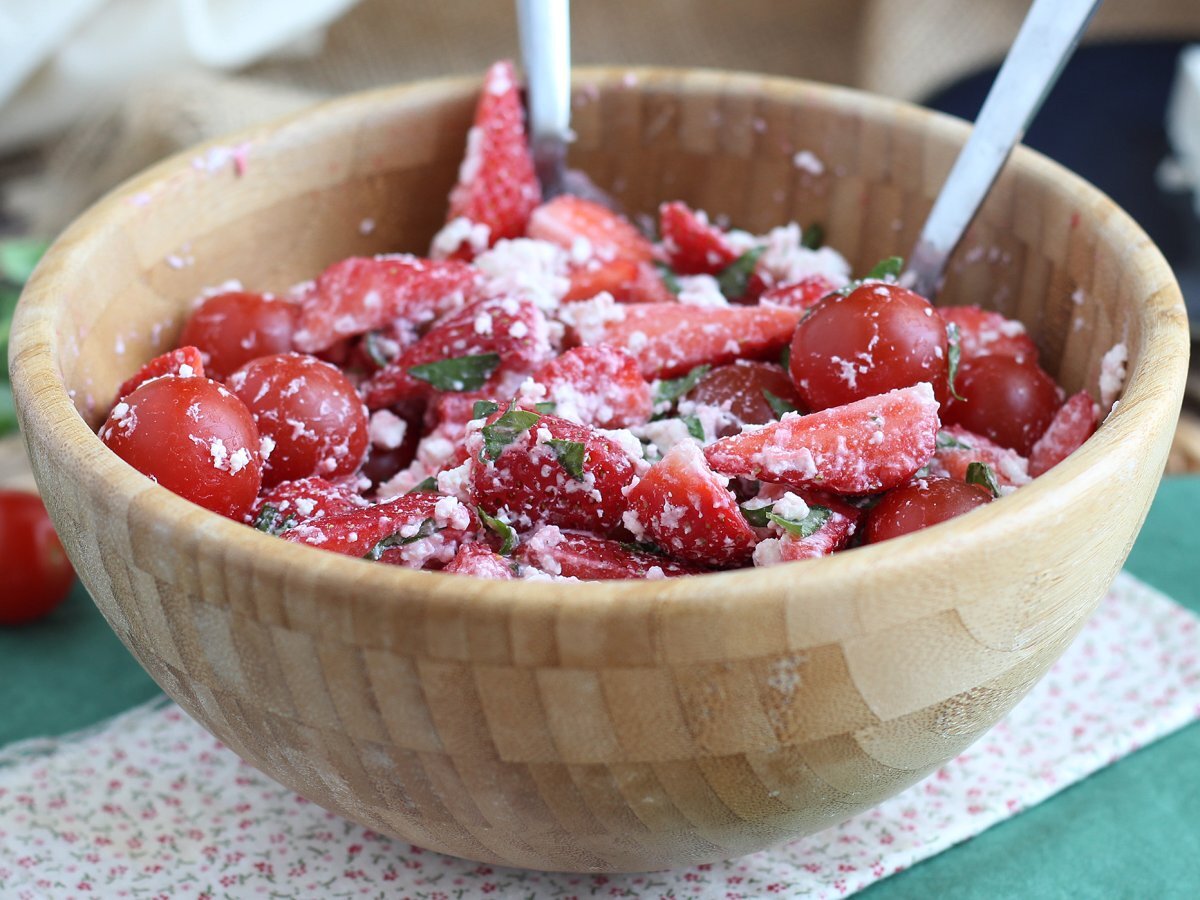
(835, 534)
(293, 503)
(576, 555)
(982, 332)
(588, 229)
(362, 294)
(866, 446)
(1073, 424)
(184, 362)
(803, 294)
(693, 245)
(683, 506)
(576, 482)
(415, 530)
(626, 280)
(959, 447)
(481, 561)
(497, 186)
(670, 339)
(512, 332)
(599, 386)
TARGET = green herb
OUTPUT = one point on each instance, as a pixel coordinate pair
(506, 533)
(461, 373)
(946, 441)
(426, 529)
(734, 278)
(922, 472)
(642, 547)
(694, 427)
(809, 525)
(374, 344)
(546, 407)
(778, 405)
(427, 486)
(953, 357)
(757, 515)
(813, 236)
(506, 429)
(271, 521)
(981, 473)
(570, 456)
(483, 408)
(669, 278)
(886, 269)
(671, 389)
(785, 356)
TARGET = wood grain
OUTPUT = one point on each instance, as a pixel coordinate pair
(612, 726)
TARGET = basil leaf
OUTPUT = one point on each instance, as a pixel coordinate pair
(778, 405)
(734, 278)
(373, 344)
(505, 430)
(483, 408)
(271, 521)
(886, 269)
(785, 356)
(813, 236)
(757, 516)
(981, 473)
(806, 527)
(427, 528)
(570, 456)
(669, 278)
(694, 427)
(642, 547)
(947, 441)
(671, 389)
(461, 373)
(953, 357)
(427, 486)
(546, 407)
(506, 533)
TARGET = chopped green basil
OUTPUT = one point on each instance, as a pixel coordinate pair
(806, 527)
(694, 427)
(642, 547)
(813, 236)
(461, 373)
(886, 269)
(671, 389)
(506, 533)
(271, 521)
(734, 278)
(546, 407)
(946, 441)
(373, 343)
(426, 486)
(785, 356)
(778, 405)
(570, 456)
(506, 429)
(669, 278)
(427, 528)
(953, 357)
(757, 516)
(483, 408)
(981, 473)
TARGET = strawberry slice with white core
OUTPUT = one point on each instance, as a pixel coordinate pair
(863, 447)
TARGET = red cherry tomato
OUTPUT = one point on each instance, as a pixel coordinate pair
(877, 338)
(311, 413)
(741, 385)
(193, 437)
(233, 328)
(1009, 401)
(921, 503)
(37, 573)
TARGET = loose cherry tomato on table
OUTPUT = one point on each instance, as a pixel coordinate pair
(37, 573)
(921, 503)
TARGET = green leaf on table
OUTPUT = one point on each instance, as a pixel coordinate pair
(460, 373)
(570, 456)
(734, 278)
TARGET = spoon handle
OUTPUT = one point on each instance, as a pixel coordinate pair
(1045, 42)
(545, 29)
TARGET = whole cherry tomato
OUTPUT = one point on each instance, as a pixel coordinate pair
(920, 503)
(1009, 401)
(233, 328)
(37, 573)
(754, 392)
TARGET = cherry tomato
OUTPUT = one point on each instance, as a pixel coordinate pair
(311, 419)
(1009, 401)
(741, 385)
(37, 573)
(193, 437)
(233, 328)
(921, 503)
(877, 338)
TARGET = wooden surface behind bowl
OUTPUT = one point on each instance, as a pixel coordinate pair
(613, 726)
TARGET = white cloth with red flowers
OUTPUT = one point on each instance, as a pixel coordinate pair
(150, 804)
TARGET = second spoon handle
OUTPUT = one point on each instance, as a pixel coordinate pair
(1045, 42)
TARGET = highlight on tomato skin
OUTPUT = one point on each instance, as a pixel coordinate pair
(921, 503)
(37, 574)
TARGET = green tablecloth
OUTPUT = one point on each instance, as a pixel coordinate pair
(1131, 830)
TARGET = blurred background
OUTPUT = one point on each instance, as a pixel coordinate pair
(91, 91)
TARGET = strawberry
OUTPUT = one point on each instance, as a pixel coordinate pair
(957, 448)
(862, 447)
(803, 294)
(413, 530)
(683, 506)
(544, 469)
(489, 338)
(497, 186)
(833, 535)
(626, 280)
(184, 362)
(599, 386)
(579, 555)
(1073, 424)
(362, 294)
(670, 339)
(985, 333)
(292, 503)
(693, 246)
(481, 561)
(587, 229)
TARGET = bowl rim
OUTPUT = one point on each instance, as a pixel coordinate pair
(1152, 392)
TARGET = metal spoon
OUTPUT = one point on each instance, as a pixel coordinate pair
(1047, 38)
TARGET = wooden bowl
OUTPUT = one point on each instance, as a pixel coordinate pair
(608, 726)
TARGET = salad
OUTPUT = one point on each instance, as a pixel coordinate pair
(553, 393)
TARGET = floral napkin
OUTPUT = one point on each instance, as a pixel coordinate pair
(149, 804)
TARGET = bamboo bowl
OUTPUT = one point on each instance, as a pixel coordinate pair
(618, 726)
